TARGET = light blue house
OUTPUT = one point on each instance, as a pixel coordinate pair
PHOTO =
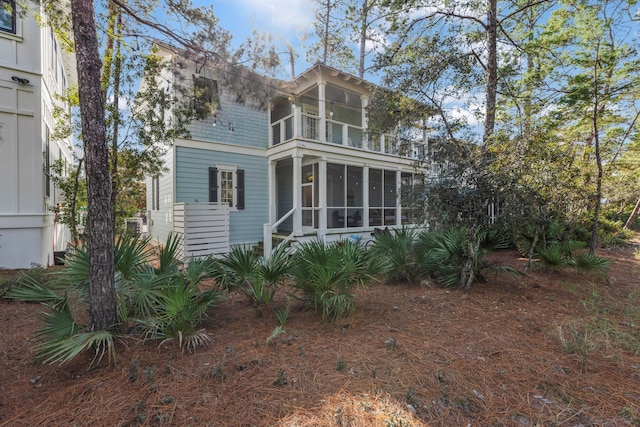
(304, 167)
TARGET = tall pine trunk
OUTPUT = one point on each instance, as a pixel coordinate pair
(102, 297)
(492, 71)
(633, 216)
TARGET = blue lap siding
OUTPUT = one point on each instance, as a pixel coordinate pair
(192, 184)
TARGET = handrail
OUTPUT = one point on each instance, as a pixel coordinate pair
(281, 220)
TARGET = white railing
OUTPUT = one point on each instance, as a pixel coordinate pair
(282, 130)
(268, 230)
(205, 227)
(307, 126)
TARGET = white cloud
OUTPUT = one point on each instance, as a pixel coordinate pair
(470, 116)
(280, 16)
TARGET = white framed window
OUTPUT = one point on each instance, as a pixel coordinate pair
(47, 162)
(8, 16)
(206, 96)
(226, 185)
(155, 193)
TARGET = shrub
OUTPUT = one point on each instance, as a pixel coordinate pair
(7, 284)
(455, 257)
(256, 277)
(165, 303)
(397, 246)
(326, 276)
(178, 310)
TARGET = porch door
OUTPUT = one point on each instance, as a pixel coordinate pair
(310, 198)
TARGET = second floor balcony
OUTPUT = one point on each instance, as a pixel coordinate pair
(333, 116)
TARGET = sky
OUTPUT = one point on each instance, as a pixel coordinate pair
(286, 20)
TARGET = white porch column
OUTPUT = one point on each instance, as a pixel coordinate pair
(273, 192)
(297, 194)
(398, 197)
(322, 110)
(297, 121)
(270, 128)
(365, 196)
(322, 193)
(365, 123)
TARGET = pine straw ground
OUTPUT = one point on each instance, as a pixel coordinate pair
(548, 349)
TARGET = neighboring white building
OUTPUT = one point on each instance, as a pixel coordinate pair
(33, 69)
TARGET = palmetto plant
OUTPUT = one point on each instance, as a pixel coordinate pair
(398, 248)
(326, 276)
(165, 303)
(168, 257)
(455, 257)
(236, 268)
(178, 309)
(254, 276)
(60, 337)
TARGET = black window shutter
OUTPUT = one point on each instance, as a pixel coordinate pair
(213, 184)
(240, 188)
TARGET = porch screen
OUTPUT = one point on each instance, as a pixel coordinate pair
(344, 196)
(382, 197)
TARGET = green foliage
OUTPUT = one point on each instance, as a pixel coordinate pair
(275, 268)
(7, 284)
(269, 273)
(168, 257)
(455, 256)
(131, 254)
(326, 276)
(166, 304)
(239, 267)
(65, 349)
(612, 233)
(331, 46)
(552, 256)
(555, 249)
(254, 276)
(35, 288)
(397, 247)
(178, 310)
(57, 325)
(283, 315)
(277, 331)
(589, 262)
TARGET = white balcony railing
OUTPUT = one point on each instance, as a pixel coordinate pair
(307, 126)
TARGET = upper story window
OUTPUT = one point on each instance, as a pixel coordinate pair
(206, 98)
(8, 16)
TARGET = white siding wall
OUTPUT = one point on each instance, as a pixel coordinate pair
(160, 221)
(26, 223)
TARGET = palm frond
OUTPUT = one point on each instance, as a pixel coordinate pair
(29, 289)
(552, 256)
(275, 268)
(589, 262)
(66, 349)
(324, 276)
(77, 265)
(56, 325)
(397, 248)
(240, 263)
(131, 254)
(178, 309)
(168, 257)
(191, 340)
